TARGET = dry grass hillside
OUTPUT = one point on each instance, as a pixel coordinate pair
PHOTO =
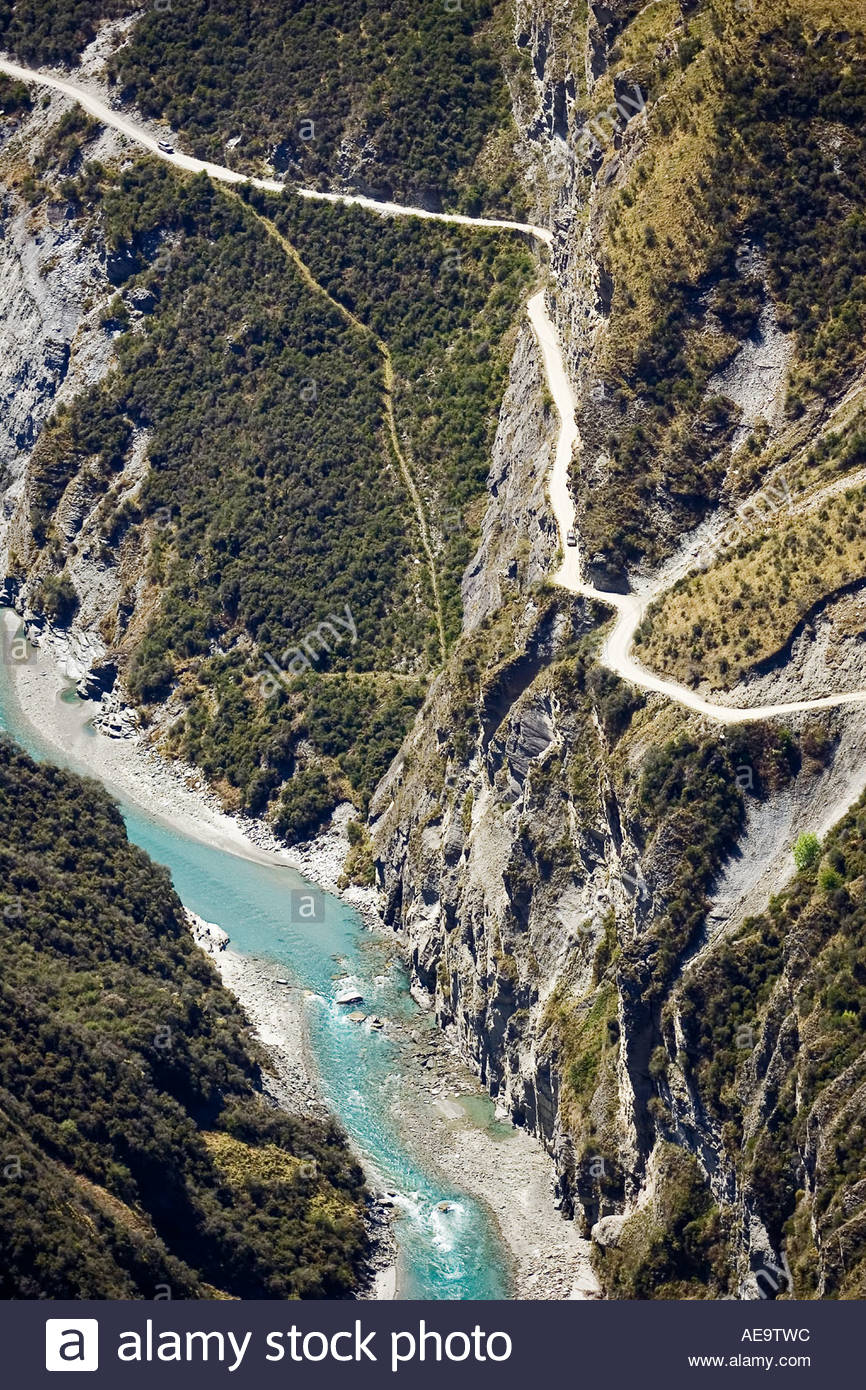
(727, 226)
(791, 550)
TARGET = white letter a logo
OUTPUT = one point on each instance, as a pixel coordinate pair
(71, 1344)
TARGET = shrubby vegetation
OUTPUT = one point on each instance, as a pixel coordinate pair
(265, 508)
(781, 1006)
(55, 31)
(306, 801)
(797, 110)
(405, 100)
(615, 701)
(765, 132)
(128, 1079)
(15, 97)
(677, 1246)
(57, 598)
(360, 867)
(691, 801)
(273, 498)
(63, 145)
(392, 97)
(746, 609)
(445, 301)
(807, 851)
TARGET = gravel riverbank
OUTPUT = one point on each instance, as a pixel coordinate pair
(444, 1113)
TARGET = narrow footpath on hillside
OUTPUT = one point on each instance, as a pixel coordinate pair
(616, 653)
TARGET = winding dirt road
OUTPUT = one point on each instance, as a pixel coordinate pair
(616, 653)
(630, 608)
(109, 116)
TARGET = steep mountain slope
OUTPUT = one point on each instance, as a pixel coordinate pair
(712, 281)
(247, 423)
(551, 848)
(768, 1045)
(392, 98)
(567, 863)
(139, 1151)
(807, 531)
(578, 874)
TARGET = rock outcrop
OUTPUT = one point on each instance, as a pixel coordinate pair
(57, 282)
(53, 288)
(532, 891)
(563, 863)
(518, 534)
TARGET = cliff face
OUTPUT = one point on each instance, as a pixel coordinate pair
(518, 533)
(571, 867)
(56, 342)
(568, 866)
(54, 286)
(461, 823)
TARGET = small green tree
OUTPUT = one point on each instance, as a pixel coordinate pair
(658, 1063)
(807, 851)
(57, 598)
(829, 879)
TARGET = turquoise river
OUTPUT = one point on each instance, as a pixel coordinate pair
(443, 1255)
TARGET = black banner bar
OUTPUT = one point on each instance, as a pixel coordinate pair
(488, 1346)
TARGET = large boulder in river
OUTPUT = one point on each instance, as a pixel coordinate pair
(98, 681)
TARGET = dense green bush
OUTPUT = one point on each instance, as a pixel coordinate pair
(615, 700)
(690, 799)
(268, 506)
(58, 599)
(126, 1075)
(273, 499)
(55, 31)
(807, 851)
(14, 96)
(304, 805)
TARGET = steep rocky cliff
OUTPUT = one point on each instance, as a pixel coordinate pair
(54, 286)
(518, 533)
(564, 865)
(568, 865)
(574, 870)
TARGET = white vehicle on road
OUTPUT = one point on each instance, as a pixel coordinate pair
(630, 607)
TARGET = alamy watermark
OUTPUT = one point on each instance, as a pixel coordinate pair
(772, 1279)
(760, 508)
(298, 659)
(610, 122)
(307, 905)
